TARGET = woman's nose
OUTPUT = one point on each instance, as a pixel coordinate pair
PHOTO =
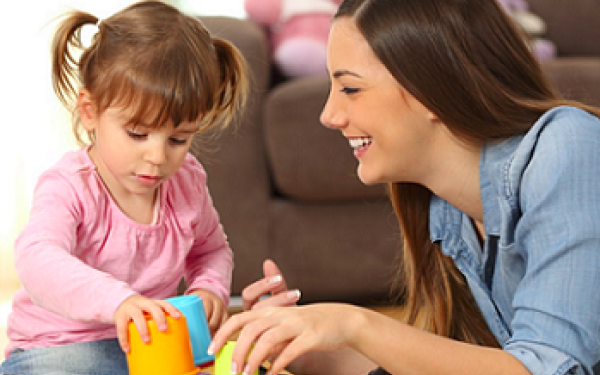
(332, 116)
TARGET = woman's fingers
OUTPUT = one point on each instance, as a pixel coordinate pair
(286, 355)
(274, 275)
(288, 298)
(259, 341)
(274, 285)
(231, 326)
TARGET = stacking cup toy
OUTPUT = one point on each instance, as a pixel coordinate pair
(168, 352)
(223, 359)
(191, 307)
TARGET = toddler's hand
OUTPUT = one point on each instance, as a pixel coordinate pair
(273, 284)
(214, 308)
(133, 309)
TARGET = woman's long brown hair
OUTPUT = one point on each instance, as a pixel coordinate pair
(154, 59)
(466, 62)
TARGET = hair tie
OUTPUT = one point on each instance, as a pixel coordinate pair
(87, 33)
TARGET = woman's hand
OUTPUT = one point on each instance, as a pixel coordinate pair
(133, 309)
(274, 285)
(214, 308)
(281, 334)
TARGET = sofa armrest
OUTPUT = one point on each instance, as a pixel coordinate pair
(576, 78)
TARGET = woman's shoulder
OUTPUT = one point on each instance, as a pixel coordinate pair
(563, 129)
(563, 140)
(566, 122)
(563, 147)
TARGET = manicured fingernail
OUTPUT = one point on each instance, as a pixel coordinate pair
(246, 370)
(234, 368)
(294, 294)
(275, 279)
(211, 349)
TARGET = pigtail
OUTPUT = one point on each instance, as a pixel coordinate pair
(65, 62)
(232, 93)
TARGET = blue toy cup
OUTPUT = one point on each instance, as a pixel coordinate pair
(191, 307)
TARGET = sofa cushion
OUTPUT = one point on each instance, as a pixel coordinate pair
(571, 25)
(337, 251)
(308, 161)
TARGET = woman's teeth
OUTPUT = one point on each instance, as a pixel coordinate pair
(358, 143)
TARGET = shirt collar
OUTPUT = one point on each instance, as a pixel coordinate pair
(496, 158)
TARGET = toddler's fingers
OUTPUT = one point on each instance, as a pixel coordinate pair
(123, 336)
(158, 315)
(170, 309)
(139, 320)
(218, 317)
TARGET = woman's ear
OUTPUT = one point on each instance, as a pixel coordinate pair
(88, 112)
(432, 117)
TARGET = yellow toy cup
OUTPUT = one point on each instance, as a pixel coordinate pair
(223, 359)
(168, 352)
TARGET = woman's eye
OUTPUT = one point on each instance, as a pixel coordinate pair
(349, 90)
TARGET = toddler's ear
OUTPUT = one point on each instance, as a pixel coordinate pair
(87, 110)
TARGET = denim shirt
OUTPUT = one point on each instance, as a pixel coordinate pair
(537, 277)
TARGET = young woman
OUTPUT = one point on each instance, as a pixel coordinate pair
(116, 224)
(494, 179)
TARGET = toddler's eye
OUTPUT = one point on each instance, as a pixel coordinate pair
(177, 141)
(135, 135)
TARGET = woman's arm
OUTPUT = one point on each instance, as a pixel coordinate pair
(402, 349)
(288, 333)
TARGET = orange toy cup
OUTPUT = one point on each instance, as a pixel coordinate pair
(168, 352)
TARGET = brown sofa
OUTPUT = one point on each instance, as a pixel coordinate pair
(286, 187)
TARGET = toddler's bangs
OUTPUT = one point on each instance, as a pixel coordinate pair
(155, 100)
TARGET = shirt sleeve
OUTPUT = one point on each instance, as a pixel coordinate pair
(47, 262)
(209, 264)
(556, 324)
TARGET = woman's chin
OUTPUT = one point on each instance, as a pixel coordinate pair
(367, 178)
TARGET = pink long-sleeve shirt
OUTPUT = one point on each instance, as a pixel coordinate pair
(79, 256)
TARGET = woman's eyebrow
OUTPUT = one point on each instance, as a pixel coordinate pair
(344, 72)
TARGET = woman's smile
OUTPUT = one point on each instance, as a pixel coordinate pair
(360, 145)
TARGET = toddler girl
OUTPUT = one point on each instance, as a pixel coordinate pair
(115, 225)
